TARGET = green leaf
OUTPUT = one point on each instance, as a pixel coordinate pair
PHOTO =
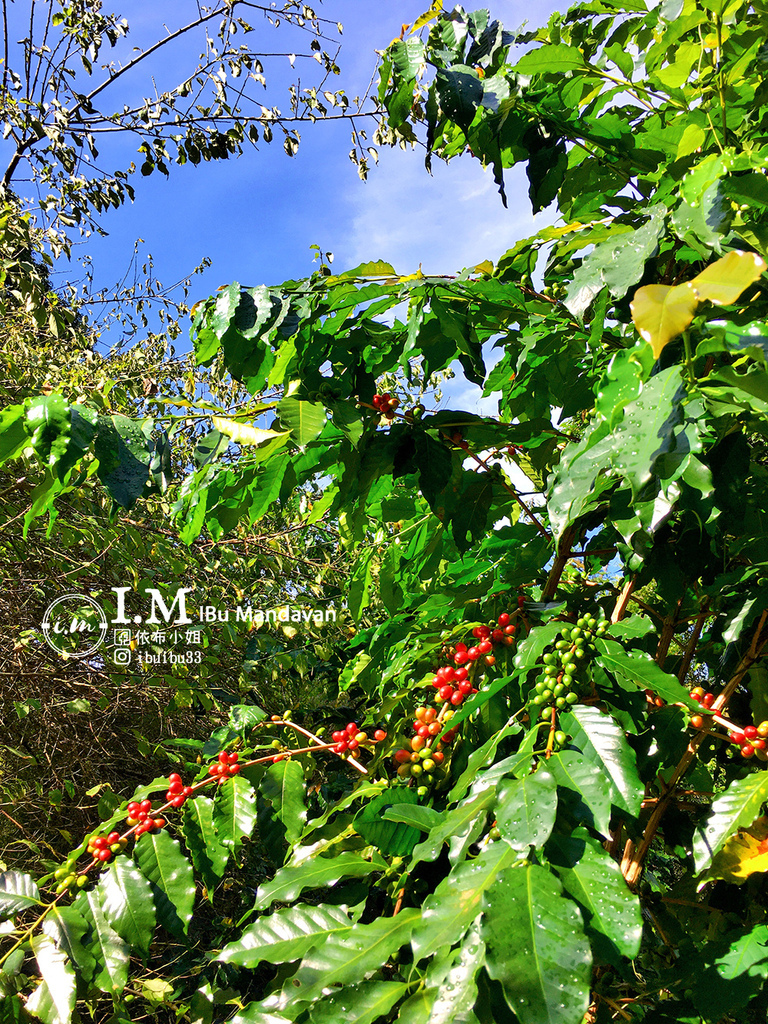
(456, 822)
(552, 59)
(391, 838)
(460, 94)
(68, 928)
(470, 519)
(347, 958)
(109, 950)
(208, 853)
(234, 812)
(285, 935)
(13, 437)
(738, 806)
(124, 456)
(450, 990)
(594, 880)
(18, 891)
(458, 899)
(603, 743)
(407, 56)
(358, 1004)
(282, 786)
(317, 873)
(526, 809)
(126, 898)
(173, 880)
(536, 947)
(53, 1001)
(305, 420)
(588, 793)
(422, 818)
(747, 954)
(640, 669)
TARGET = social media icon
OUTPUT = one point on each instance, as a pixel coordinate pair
(122, 656)
(122, 637)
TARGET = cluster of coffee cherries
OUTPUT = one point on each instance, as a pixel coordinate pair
(178, 793)
(140, 814)
(752, 740)
(103, 848)
(66, 877)
(225, 766)
(386, 404)
(352, 737)
(452, 682)
(562, 681)
(422, 759)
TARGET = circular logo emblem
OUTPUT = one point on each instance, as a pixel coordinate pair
(74, 625)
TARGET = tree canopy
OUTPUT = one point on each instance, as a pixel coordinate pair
(547, 805)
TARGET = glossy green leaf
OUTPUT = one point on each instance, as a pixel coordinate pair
(747, 954)
(234, 812)
(450, 986)
(738, 806)
(526, 809)
(536, 946)
(458, 899)
(592, 878)
(305, 420)
(282, 786)
(126, 899)
(552, 59)
(209, 854)
(365, 1003)
(587, 793)
(13, 437)
(285, 935)
(602, 741)
(53, 1001)
(639, 668)
(422, 818)
(124, 456)
(391, 837)
(110, 952)
(317, 873)
(344, 959)
(68, 929)
(173, 880)
(18, 891)
(456, 822)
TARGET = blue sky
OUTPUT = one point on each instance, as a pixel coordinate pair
(256, 217)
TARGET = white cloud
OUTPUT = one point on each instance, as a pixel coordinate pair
(451, 220)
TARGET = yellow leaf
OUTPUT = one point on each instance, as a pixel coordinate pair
(428, 16)
(660, 312)
(724, 281)
(242, 433)
(744, 854)
(486, 267)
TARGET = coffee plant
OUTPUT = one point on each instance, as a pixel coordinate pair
(548, 805)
